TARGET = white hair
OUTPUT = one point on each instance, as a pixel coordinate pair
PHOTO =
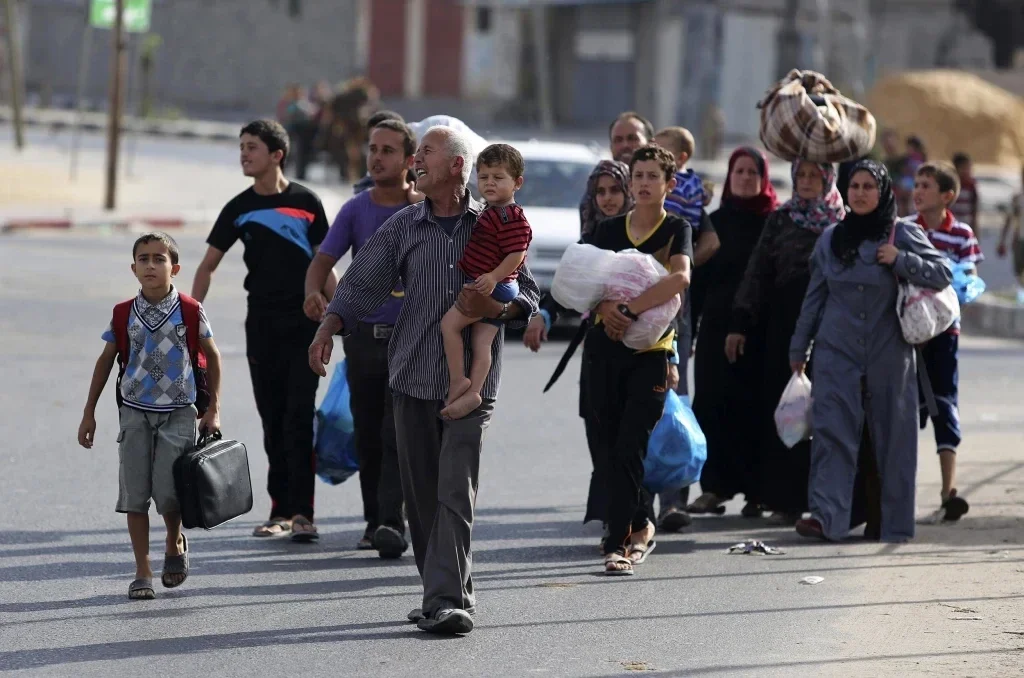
(457, 145)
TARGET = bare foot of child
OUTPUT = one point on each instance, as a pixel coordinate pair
(456, 389)
(462, 406)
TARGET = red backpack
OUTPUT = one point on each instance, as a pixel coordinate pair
(190, 315)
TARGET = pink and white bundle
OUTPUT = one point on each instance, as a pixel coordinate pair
(588, 275)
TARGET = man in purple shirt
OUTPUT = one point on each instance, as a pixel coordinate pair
(392, 146)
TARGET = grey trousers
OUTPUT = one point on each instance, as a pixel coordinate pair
(440, 466)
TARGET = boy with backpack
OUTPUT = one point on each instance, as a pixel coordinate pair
(168, 376)
(936, 186)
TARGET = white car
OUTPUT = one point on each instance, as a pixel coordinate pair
(555, 180)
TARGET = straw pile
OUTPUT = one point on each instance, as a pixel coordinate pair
(953, 111)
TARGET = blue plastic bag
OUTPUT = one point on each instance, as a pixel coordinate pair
(968, 286)
(677, 449)
(335, 444)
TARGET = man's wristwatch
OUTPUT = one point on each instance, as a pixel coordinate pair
(624, 310)
(504, 311)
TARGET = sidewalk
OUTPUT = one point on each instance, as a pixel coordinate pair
(162, 183)
(993, 316)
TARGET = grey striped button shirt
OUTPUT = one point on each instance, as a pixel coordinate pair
(413, 248)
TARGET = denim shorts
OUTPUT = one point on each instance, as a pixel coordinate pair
(504, 292)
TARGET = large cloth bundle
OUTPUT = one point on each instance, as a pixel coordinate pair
(804, 117)
(588, 275)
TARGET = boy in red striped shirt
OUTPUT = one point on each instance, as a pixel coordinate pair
(935, 190)
(491, 261)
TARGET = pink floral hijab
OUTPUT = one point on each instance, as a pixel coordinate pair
(816, 214)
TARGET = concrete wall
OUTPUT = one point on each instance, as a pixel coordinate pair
(217, 55)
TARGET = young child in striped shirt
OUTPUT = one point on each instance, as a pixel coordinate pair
(491, 262)
(936, 186)
(687, 199)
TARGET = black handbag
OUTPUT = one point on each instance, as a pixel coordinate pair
(212, 482)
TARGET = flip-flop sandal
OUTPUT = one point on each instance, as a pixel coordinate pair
(267, 529)
(644, 551)
(617, 559)
(177, 564)
(305, 535)
(141, 589)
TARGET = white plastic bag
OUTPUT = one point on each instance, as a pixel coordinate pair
(579, 281)
(793, 415)
(588, 275)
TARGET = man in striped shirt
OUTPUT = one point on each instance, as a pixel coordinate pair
(935, 189)
(420, 246)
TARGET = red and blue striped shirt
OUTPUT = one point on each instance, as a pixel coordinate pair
(953, 238)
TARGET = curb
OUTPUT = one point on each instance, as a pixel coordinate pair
(92, 121)
(124, 223)
(993, 317)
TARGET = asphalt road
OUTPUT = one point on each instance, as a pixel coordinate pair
(949, 602)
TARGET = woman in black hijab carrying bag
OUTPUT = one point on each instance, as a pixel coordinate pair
(771, 295)
(864, 377)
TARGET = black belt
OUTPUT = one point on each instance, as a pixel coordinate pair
(378, 330)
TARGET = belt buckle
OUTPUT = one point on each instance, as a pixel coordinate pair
(382, 331)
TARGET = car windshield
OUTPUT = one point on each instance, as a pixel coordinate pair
(553, 183)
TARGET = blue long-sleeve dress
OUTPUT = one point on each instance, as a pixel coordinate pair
(864, 373)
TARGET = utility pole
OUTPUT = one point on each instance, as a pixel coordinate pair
(788, 40)
(114, 114)
(14, 60)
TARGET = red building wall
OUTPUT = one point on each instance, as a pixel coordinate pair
(444, 34)
(387, 46)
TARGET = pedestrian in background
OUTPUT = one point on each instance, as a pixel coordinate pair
(439, 459)
(391, 151)
(965, 208)
(728, 392)
(688, 199)
(1012, 232)
(864, 410)
(280, 224)
(771, 295)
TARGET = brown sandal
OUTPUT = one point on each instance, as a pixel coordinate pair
(303, 530)
(267, 529)
(613, 561)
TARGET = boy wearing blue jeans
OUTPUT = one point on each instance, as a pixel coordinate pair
(157, 403)
(936, 186)
(491, 261)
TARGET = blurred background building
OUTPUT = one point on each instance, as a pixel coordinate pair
(520, 63)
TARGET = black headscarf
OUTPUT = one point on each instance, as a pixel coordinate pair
(855, 228)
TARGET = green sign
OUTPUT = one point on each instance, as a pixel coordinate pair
(137, 13)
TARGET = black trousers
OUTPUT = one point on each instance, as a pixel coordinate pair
(374, 420)
(277, 346)
(626, 398)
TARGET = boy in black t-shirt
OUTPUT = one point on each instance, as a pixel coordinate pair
(626, 388)
(281, 224)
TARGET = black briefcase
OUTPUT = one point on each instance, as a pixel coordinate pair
(212, 482)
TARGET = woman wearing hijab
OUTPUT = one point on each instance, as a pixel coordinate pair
(607, 196)
(771, 294)
(728, 393)
(864, 376)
